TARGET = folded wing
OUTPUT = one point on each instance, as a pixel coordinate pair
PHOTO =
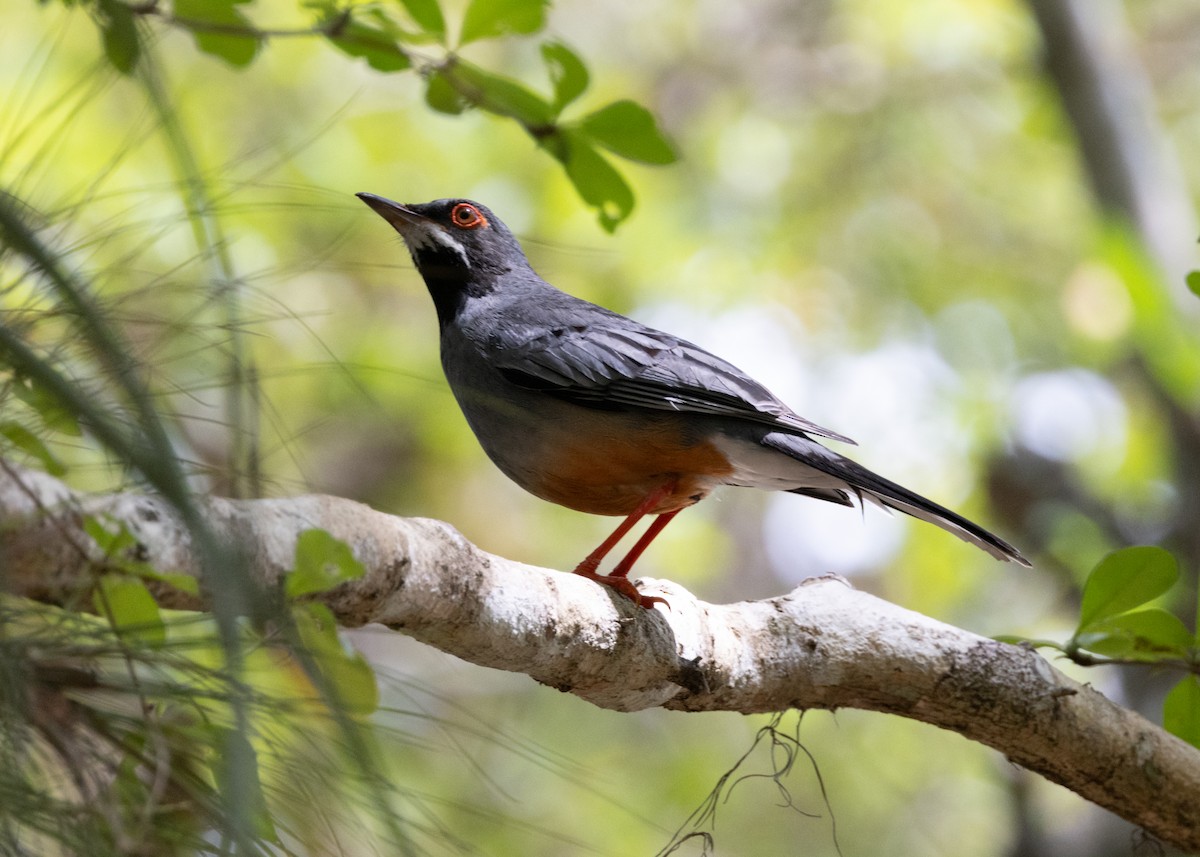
(608, 362)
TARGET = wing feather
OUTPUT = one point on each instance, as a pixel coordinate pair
(610, 362)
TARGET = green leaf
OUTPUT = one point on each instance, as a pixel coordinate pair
(499, 95)
(352, 680)
(375, 41)
(568, 74)
(28, 442)
(1181, 710)
(629, 130)
(120, 548)
(216, 26)
(1151, 634)
(182, 582)
(110, 536)
(600, 186)
(428, 16)
(1157, 628)
(487, 18)
(1193, 282)
(119, 34)
(441, 95)
(1126, 579)
(130, 607)
(322, 562)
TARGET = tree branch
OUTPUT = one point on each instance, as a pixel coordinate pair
(824, 645)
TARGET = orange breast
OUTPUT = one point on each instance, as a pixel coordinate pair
(608, 464)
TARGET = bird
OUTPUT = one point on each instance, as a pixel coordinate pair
(589, 409)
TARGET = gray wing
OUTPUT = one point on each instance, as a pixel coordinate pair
(602, 360)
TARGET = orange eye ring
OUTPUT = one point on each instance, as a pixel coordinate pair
(466, 216)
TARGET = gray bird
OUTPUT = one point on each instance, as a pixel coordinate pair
(589, 409)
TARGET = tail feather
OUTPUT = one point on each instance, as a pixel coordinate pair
(886, 493)
(830, 495)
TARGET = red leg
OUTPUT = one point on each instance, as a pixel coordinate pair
(639, 547)
(619, 579)
(592, 561)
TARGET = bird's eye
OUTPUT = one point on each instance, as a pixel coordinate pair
(466, 216)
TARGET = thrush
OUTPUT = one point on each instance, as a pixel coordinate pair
(586, 408)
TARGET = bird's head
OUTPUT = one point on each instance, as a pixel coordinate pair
(452, 239)
(461, 249)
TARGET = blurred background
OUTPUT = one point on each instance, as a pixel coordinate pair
(957, 232)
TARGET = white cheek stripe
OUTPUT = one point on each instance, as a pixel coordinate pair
(429, 235)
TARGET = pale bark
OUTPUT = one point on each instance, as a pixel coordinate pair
(824, 645)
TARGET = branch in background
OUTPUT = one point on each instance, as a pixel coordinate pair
(823, 646)
(1105, 92)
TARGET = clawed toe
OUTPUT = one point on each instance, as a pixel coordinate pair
(624, 586)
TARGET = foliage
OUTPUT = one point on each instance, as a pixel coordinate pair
(1116, 626)
(322, 562)
(884, 191)
(389, 43)
(232, 716)
(128, 733)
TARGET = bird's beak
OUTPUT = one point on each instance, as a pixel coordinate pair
(421, 234)
(403, 220)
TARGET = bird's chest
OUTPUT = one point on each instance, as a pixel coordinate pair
(603, 462)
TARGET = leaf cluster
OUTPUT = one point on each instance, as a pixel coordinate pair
(128, 731)
(128, 728)
(414, 36)
(1120, 622)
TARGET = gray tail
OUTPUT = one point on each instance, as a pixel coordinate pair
(863, 482)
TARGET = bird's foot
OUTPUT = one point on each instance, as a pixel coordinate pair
(623, 586)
